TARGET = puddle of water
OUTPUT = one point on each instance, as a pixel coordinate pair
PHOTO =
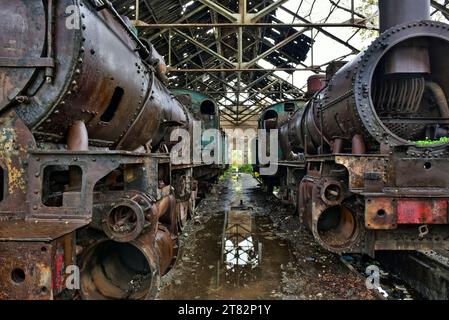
(206, 275)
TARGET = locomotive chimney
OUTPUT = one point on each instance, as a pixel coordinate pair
(411, 56)
(394, 12)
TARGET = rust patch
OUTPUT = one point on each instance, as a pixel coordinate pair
(380, 213)
(359, 166)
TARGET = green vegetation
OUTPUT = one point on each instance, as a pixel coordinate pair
(432, 142)
(368, 9)
(244, 168)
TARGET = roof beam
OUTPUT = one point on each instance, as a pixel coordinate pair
(444, 10)
(204, 47)
(231, 16)
(330, 35)
(266, 10)
(276, 47)
(261, 90)
(252, 84)
(185, 17)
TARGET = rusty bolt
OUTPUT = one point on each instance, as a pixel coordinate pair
(22, 99)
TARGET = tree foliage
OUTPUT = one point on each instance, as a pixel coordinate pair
(369, 9)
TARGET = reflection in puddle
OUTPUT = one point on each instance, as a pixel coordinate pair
(240, 247)
(203, 271)
(240, 253)
(222, 259)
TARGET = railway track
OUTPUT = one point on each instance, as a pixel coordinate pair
(404, 275)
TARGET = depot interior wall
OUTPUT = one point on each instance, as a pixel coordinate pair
(238, 155)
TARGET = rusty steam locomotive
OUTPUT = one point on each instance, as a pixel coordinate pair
(366, 160)
(86, 177)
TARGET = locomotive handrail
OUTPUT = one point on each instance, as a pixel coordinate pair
(416, 120)
(7, 62)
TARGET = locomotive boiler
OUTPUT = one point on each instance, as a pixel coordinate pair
(86, 179)
(367, 157)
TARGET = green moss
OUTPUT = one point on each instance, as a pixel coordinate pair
(432, 142)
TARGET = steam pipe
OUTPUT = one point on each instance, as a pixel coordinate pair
(440, 98)
(77, 140)
(358, 145)
(77, 137)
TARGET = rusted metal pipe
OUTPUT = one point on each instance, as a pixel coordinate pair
(337, 146)
(395, 12)
(440, 97)
(77, 137)
(77, 140)
(411, 56)
(105, 275)
(358, 145)
(163, 206)
(336, 228)
(165, 248)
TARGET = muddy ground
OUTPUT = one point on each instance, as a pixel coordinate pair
(290, 265)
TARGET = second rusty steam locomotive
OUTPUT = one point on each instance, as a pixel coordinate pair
(366, 160)
(86, 178)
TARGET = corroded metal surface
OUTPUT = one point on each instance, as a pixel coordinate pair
(34, 269)
(23, 38)
(67, 195)
(374, 142)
